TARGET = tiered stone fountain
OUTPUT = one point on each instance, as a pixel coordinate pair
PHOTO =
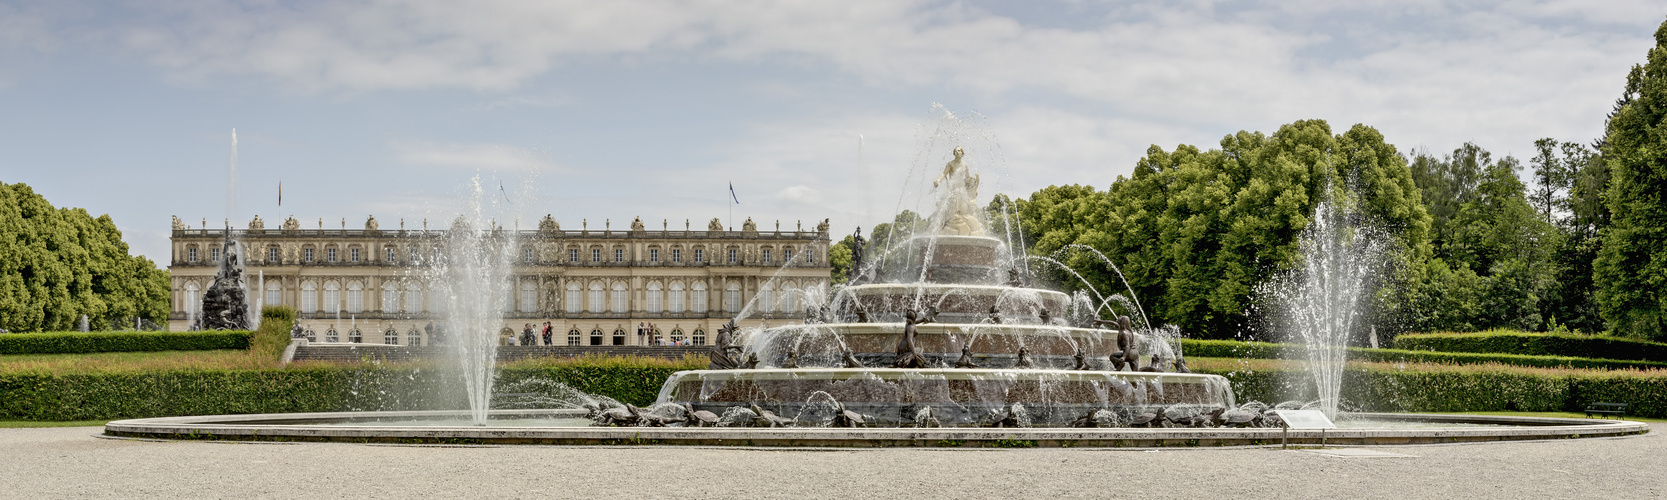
(982, 349)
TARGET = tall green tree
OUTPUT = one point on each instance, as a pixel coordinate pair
(58, 264)
(1195, 232)
(1631, 269)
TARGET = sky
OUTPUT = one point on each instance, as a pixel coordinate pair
(607, 111)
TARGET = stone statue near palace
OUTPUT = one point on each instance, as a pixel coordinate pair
(225, 304)
(958, 212)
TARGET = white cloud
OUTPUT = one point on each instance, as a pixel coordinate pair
(472, 156)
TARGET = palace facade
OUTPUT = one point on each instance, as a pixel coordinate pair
(594, 287)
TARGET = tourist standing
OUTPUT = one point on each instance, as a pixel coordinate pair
(548, 334)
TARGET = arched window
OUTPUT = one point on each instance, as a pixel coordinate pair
(789, 298)
(309, 298)
(767, 298)
(732, 297)
(654, 297)
(573, 337)
(573, 296)
(621, 302)
(274, 294)
(390, 337)
(355, 336)
(413, 298)
(193, 300)
(311, 336)
(529, 297)
(674, 299)
(619, 336)
(390, 299)
(697, 303)
(332, 297)
(676, 335)
(596, 303)
(331, 335)
(699, 337)
(596, 337)
(414, 337)
(355, 297)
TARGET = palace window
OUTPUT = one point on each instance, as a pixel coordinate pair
(331, 335)
(698, 257)
(697, 302)
(787, 255)
(355, 336)
(273, 256)
(654, 255)
(529, 297)
(332, 297)
(527, 255)
(675, 298)
(573, 337)
(390, 337)
(676, 255)
(764, 256)
(330, 254)
(309, 297)
(413, 298)
(596, 337)
(619, 255)
(572, 255)
(193, 301)
(767, 298)
(789, 299)
(732, 253)
(810, 255)
(676, 335)
(596, 255)
(307, 254)
(573, 297)
(732, 297)
(214, 254)
(620, 301)
(392, 255)
(355, 297)
(353, 254)
(413, 337)
(274, 294)
(699, 338)
(597, 305)
(191, 254)
(619, 336)
(390, 298)
(654, 298)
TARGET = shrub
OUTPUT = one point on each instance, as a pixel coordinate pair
(1535, 344)
(126, 341)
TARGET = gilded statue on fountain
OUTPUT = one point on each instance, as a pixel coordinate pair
(959, 210)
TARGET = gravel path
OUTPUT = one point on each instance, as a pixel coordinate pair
(73, 463)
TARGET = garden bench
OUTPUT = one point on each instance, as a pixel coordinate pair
(1616, 409)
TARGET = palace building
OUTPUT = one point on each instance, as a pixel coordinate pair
(594, 287)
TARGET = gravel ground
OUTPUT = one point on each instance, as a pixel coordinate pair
(72, 462)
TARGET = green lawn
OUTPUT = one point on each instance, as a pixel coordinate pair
(130, 361)
(1559, 414)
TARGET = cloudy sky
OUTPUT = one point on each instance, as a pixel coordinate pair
(593, 110)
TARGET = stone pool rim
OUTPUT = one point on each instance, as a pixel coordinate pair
(270, 427)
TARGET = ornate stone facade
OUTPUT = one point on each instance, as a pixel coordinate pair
(593, 287)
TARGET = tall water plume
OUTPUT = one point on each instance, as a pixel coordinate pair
(471, 279)
(1322, 299)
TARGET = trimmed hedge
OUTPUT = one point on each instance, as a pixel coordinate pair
(1446, 388)
(310, 388)
(1535, 344)
(80, 343)
(1268, 350)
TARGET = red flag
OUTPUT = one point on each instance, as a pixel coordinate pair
(280, 192)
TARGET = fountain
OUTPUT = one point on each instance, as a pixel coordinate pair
(226, 303)
(939, 340)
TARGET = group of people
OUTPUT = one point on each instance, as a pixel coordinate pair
(530, 335)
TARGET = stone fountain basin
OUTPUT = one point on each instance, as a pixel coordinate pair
(959, 396)
(992, 345)
(955, 302)
(308, 427)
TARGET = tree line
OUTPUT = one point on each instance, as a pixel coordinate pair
(1468, 244)
(57, 264)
